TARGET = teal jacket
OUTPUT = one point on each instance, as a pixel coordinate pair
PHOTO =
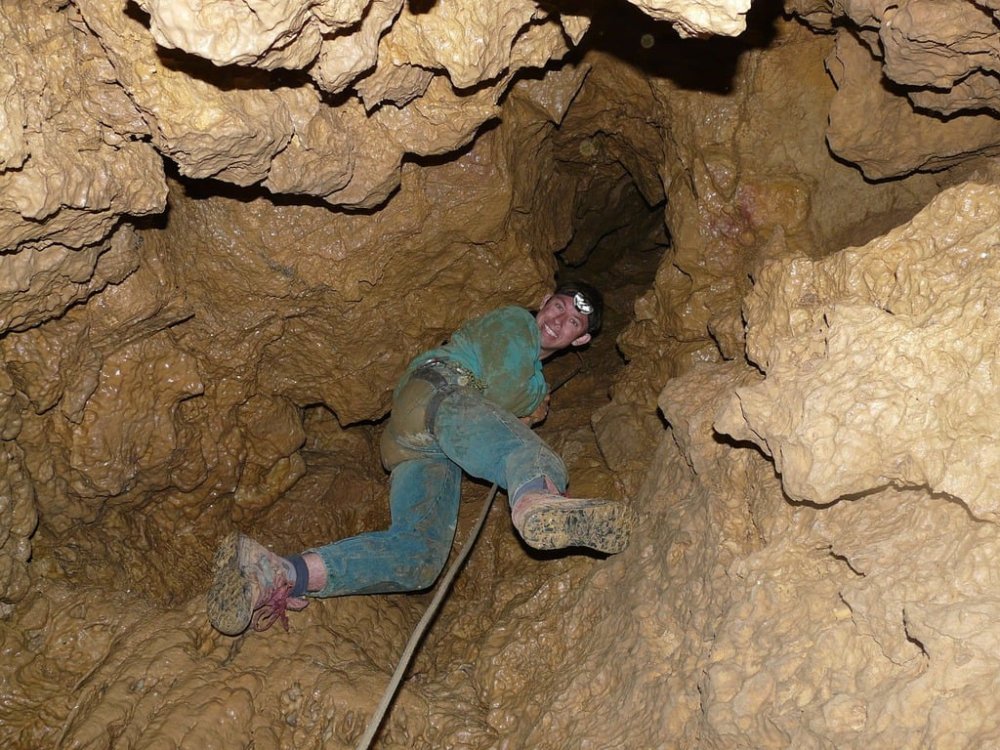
(502, 349)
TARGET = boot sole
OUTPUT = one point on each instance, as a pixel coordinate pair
(600, 525)
(229, 605)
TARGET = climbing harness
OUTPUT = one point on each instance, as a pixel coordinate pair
(464, 375)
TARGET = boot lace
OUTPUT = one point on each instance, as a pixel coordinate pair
(273, 608)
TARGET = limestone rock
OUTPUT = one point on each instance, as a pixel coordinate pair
(72, 165)
(345, 56)
(792, 590)
(18, 516)
(321, 157)
(229, 365)
(727, 211)
(182, 388)
(867, 383)
(700, 18)
(472, 43)
(554, 93)
(978, 91)
(905, 139)
(85, 169)
(211, 125)
(939, 59)
(818, 14)
(41, 284)
(938, 44)
(112, 446)
(236, 124)
(263, 33)
(13, 148)
(397, 84)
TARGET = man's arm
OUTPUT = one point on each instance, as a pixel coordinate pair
(539, 414)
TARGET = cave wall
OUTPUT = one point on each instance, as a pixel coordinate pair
(833, 586)
(219, 249)
(853, 572)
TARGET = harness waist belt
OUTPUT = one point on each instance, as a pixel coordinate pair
(431, 370)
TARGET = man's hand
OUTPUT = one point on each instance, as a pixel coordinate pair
(539, 414)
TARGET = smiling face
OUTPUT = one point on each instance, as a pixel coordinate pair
(560, 324)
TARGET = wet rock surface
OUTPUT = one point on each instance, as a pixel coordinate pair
(225, 229)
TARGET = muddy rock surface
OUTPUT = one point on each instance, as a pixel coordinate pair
(225, 228)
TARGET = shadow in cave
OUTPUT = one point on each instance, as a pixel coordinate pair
(738, 444)
(210, 187)
(419, 7)
(622, 30)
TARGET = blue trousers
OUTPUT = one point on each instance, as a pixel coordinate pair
(443, 428)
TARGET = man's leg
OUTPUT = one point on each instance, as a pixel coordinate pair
(254, 586)
(410, 554)
(492, 444)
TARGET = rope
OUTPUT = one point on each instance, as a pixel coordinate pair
(404, 661)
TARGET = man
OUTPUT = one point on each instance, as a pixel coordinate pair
(467, 406)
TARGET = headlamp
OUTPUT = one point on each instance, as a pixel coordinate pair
(581, 303)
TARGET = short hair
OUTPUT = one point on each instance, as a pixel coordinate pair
(590, 296)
